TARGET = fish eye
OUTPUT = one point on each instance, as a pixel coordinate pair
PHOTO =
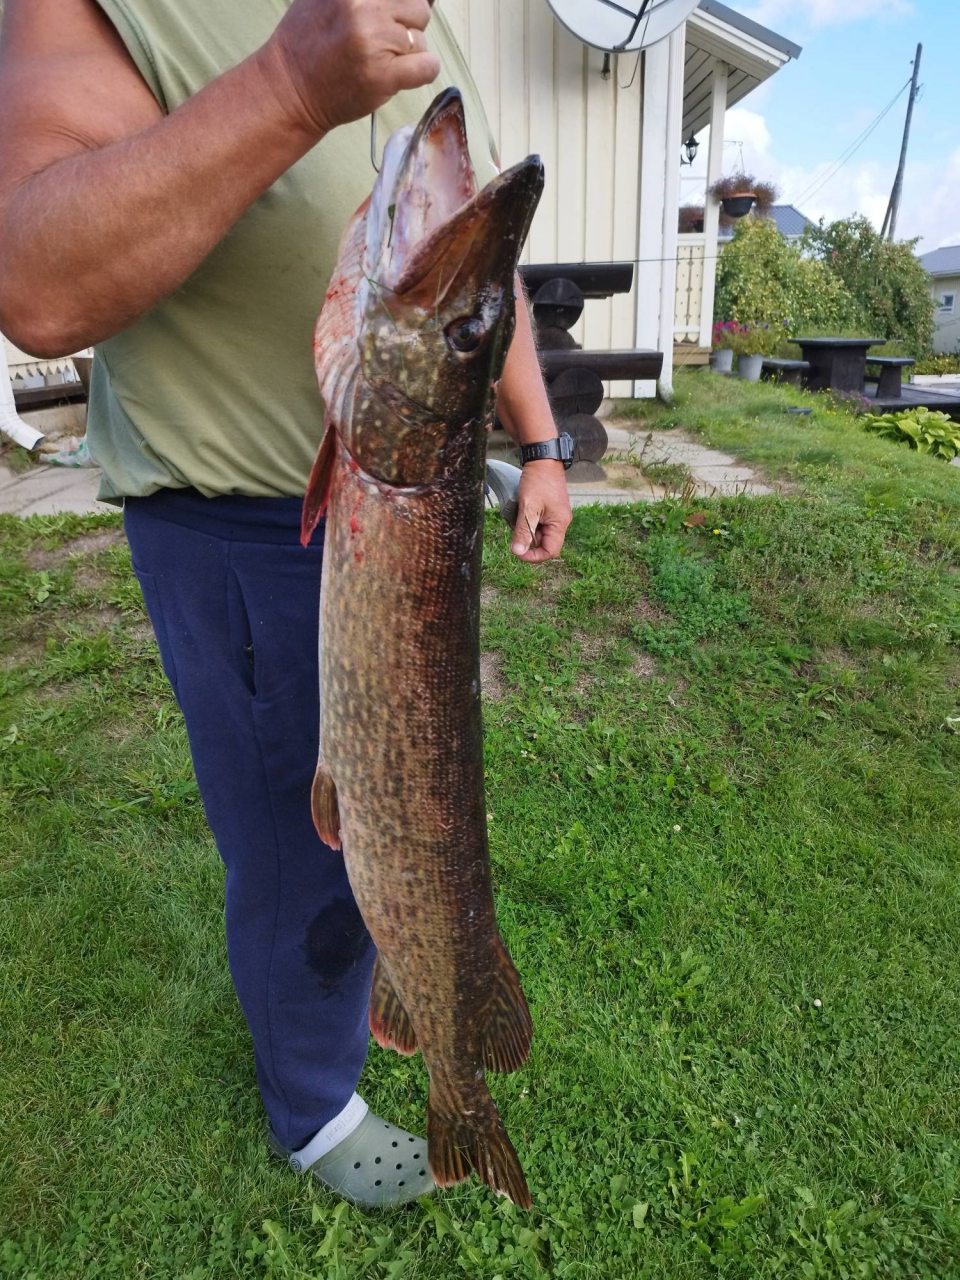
(466, 334)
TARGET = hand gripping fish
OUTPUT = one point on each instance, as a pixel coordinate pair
(409, 347)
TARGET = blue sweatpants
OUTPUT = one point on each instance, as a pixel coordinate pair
(234, 600)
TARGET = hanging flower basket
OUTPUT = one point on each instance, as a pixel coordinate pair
(739, 192)
(738, 206)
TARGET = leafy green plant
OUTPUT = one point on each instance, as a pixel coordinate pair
(887, 280)
(764, 279)
(748, 340)
(926, 430)
(937, 364)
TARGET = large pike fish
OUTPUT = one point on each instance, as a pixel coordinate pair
(409, 347)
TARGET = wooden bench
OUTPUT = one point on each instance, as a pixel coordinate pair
(27, 398)
(785, 370)
(890, 376)
(574, 378)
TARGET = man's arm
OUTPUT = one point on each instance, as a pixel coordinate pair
(524, 409)
(107, 205)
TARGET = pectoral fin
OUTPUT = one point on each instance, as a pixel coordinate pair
(319, 485)
(326, 807)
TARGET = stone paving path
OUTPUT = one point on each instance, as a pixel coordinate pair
(710, 471)
(45, 489)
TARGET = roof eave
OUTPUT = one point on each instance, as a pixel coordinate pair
(763, 35)
(752, 53)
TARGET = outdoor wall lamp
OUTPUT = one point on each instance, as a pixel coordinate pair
(690, 148)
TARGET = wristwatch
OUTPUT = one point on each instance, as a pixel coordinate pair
(559, 449)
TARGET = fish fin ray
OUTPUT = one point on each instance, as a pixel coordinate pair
(326, 807)
(320, 484)
(389, 1021)
(506, 1026)
(457, 1144)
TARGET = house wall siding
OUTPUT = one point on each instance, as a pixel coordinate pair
(544, 92)
(946, 334)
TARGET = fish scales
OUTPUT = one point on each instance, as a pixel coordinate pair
(409, 345)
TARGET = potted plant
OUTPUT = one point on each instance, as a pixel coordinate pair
(738, 193)
(691, 219)
(724, 336)
(751, 343)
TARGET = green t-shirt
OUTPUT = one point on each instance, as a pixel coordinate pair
(214, 388)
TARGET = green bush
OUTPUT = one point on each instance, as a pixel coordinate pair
(840, 278)
(925, 430)
(764, 279)
(887, 280)
(938, 364)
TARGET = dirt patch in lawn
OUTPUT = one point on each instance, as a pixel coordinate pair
(644, 666)
(89, 544)
(646, 611)
(493, 687)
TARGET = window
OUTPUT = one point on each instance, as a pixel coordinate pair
(946, 303)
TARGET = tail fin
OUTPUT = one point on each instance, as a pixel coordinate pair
(478, 1141)
(506, 1025)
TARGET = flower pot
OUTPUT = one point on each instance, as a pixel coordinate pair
(749, 368)
(721, 360)
(738, 206)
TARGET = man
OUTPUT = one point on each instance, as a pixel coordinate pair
(174, 180)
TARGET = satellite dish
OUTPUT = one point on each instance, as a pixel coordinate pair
(621, 26)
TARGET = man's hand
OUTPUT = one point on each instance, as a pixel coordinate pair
(107, 204)
(334, 61)
(543, 514)
(523, 407)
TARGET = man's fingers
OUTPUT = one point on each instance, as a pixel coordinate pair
(409, 40)
(526, 530)
(551, 540)
(415, 70)
(415, 14)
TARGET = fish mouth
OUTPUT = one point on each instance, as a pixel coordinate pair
(431, 227)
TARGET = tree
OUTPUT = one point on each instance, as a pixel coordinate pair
(887, 280)
(763, 279)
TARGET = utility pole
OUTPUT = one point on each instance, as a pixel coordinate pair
(893, 208)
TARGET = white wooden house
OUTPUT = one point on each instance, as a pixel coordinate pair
(612, 149)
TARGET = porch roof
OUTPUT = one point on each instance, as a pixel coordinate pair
(752, 52)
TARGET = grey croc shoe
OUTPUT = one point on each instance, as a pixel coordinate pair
(377, 1166)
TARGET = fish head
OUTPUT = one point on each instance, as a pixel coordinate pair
(435, 306)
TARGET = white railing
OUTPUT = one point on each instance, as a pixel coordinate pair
(691, 261)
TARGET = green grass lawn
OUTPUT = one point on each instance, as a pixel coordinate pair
(724, 779)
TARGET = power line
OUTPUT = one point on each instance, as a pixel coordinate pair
(819, 183)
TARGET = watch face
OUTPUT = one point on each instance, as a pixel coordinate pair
(621, 25)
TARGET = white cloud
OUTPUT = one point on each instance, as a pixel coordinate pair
(826, 13)
(749, 129)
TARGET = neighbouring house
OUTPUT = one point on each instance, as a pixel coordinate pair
(612, 146)
(943, 265)
(790, 222)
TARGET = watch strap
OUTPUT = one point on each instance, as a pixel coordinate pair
(559, 449)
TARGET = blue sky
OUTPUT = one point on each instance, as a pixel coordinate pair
(856, 55)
